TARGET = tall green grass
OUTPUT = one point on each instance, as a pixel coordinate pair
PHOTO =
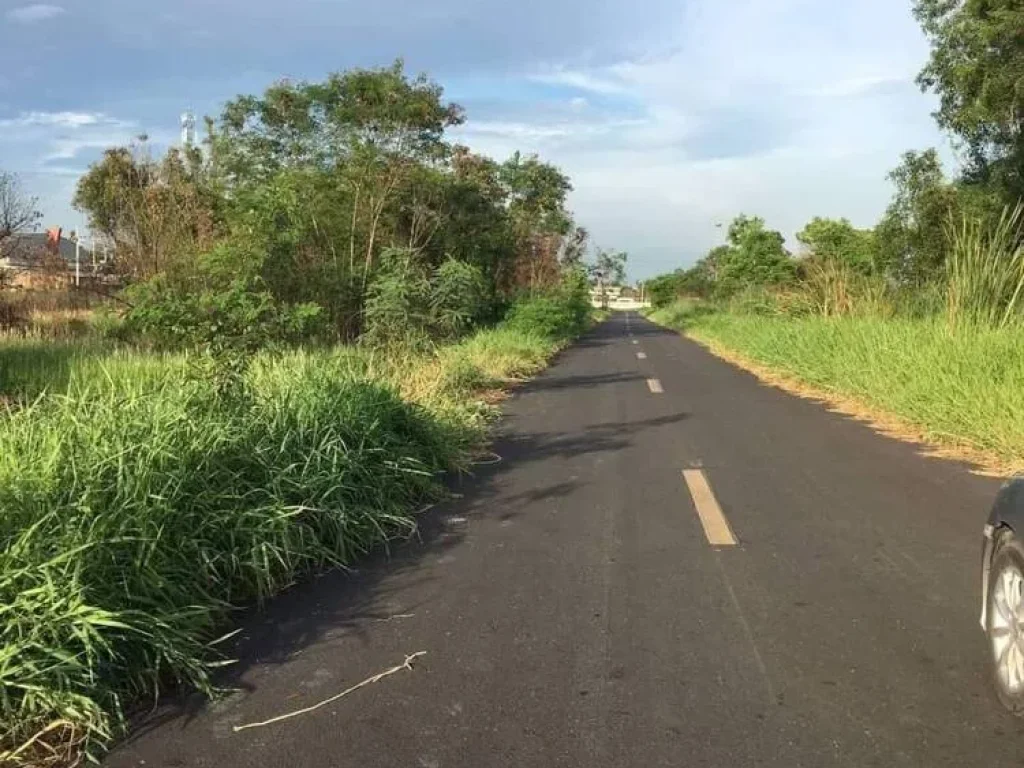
(985, 270)
(139, 506)
(135, 516)
(959, 388)
(29, 366)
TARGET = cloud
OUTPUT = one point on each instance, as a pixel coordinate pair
(788, 109)
(860, 86)
(44, 140)
(541, 132)
(593, 82)
(69, 149)
(57, 119)
(32, 14)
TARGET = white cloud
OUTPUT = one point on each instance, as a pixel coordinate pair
(40, 140)
(543, 131)
(859, 86)
(58, 119)
(583, 80)
(787, 109)
(32, 14)
(69, 149)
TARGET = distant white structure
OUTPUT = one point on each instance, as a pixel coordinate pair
(613, 297)
(188, 129)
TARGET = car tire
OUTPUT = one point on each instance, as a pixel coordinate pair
(1005, 608)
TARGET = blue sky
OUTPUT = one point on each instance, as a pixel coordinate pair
(670, 117)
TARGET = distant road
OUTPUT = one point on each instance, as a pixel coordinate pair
(575, 612)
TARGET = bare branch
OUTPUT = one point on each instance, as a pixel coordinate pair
(18, 211)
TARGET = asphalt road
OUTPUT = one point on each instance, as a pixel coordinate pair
(573, 612)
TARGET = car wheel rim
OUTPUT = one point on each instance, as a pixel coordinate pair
(1007, 628)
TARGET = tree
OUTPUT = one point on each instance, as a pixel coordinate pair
(574, 249)
(476, 225)
(154, 213)
(304, 188)
(977, 70)
(370, 130)
(911, 235)
(609, 267)
(19, 212)
(536, 193)
(662, 290)
(838, 240)
(755, 256)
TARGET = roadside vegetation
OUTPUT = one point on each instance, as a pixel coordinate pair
(918, 321)
(306, 316)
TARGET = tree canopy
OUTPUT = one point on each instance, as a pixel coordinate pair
(977, 69)
(755, 255)
(309, 188)
(839, 240)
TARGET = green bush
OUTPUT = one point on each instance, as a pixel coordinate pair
(560, 314)
(458, 298)
(241, 316)
(397, 311)
(985, 270)
(408, 307)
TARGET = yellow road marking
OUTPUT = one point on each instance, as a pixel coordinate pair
(655, 386)
(716, 527)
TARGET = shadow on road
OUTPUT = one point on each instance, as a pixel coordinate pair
(341, 603)
(580, 382)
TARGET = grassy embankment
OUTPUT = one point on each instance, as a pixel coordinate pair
(961, 390)
(139, 506)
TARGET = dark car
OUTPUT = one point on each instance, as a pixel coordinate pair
(1002, 590)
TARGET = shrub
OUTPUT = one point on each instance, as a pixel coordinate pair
(228, 326)
(458, 298)
(397, 308)
(559, 314)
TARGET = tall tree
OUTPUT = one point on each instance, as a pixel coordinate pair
(977, 69)
(536, 195)
(371, 129)
(574, 248)
(911, 235)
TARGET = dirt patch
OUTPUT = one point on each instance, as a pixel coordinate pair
(985, 463)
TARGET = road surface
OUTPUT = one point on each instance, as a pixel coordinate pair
(574, 612)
